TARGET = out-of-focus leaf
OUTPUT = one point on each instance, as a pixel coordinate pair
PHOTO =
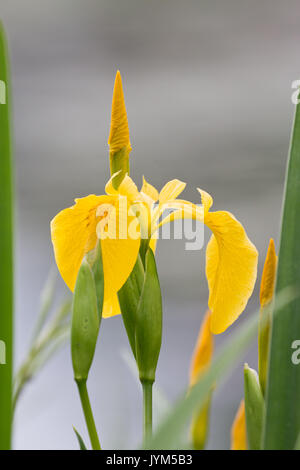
(169, 433)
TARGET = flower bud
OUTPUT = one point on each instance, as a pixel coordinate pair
(148, 331)
(254, 408)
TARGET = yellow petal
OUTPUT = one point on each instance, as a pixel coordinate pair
(267, 285)
(182, 210)
(119, 130)
(149, 191)
(171, 190)
(203, 352)
(207, 200)
(238, 430)
(231, 269)
(73, 233)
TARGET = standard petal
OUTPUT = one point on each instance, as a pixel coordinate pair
(171, 190)
(231, 269)
(149, 190)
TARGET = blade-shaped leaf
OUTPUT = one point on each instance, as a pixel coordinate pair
(6, 255)
(282, 424)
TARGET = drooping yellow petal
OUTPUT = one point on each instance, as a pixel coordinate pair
(231, 268)
(119, 130)
(203, 352)
(74, 233)
(267, 285)
(149, 190)
(171, 190)
(238, 430)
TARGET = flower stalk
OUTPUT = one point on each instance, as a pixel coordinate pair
(87, 410)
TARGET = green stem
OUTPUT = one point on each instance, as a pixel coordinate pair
(147, 409)
(88, 414)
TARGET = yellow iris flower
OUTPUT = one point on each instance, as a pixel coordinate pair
(231, 258)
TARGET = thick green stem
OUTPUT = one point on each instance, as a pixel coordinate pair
(147, 409)
(88, 414)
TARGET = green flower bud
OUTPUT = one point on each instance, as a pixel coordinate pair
(254, 408)
(85, 322)
(148, 331)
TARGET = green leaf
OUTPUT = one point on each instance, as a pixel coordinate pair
(129, 297)
(148, 331)
(94, 258)
(169, 433)
(254, 408)
(282, 424)
(6, 255)
(85, 322)
(80, 440)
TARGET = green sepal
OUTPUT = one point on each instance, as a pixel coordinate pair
(254, 408)
(129, 297)
(85, 322)
(81, 443)
(148, 331)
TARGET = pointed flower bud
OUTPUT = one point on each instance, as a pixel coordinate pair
(238, 430)
(119, 141)
(254, 408)
(266, 295)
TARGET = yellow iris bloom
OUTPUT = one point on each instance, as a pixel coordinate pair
(231, 258)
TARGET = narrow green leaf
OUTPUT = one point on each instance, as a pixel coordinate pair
(129, 297)
(148, 331)
(80, 440)
(282, 424)
(254, 408)
(85, 322)
(6, 238)
(169, 433)
(94, 258)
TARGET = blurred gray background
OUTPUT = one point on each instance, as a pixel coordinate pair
(208, 86)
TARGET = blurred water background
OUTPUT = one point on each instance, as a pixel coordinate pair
(208, 86)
